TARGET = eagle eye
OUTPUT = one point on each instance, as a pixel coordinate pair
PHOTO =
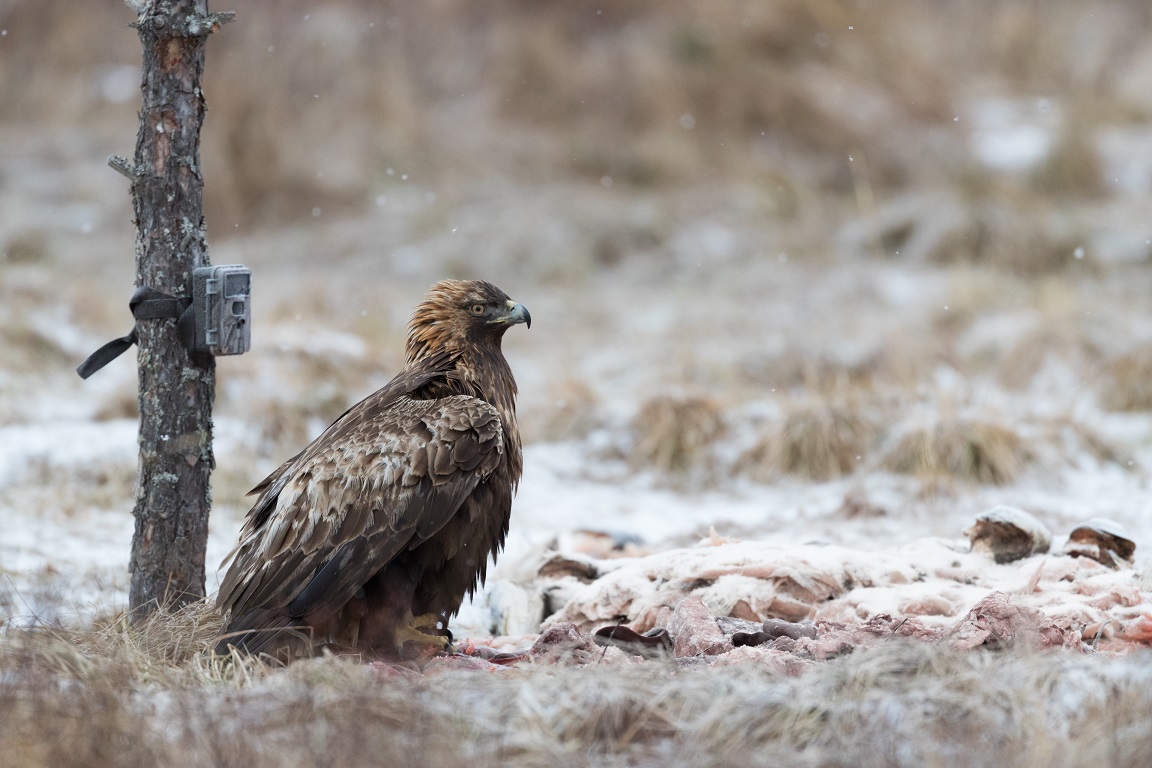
(476, 309)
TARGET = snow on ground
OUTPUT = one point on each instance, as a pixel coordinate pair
(715, 310)
(790, 517)
(84, 554)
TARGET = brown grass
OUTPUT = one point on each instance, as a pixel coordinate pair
(646, 94)
(123, 404)
(27, 349)
(1127, 381)
(1074, 165)
(29, 247)
(312, 105)
(1068, 438)
(906, 359)
(817, 439)
(1055, 340)
(286, 426)
(124, 695)
(569, 413)
(290, 395)
(1008, 230)
(676, 434)
(796, 368)
(966, 449)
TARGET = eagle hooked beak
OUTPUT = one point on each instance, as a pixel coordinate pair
(517, 313)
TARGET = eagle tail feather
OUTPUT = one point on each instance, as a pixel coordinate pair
(264, 632)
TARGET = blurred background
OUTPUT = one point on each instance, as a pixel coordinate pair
(848, 268)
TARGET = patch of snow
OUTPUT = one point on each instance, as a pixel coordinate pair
(1011, 135)
(1126, 157)
(63, 444)
(118, 84)
(314, 341)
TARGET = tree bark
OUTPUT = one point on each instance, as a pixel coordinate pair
(173, 497)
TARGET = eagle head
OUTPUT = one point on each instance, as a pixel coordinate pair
(457, 315)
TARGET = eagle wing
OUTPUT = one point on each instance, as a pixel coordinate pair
(379, 480)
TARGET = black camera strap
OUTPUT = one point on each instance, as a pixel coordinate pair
(146, 304)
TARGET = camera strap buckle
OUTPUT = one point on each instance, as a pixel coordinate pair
(146, 304)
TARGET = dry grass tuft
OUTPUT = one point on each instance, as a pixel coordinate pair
(155, 649)
(1073, 167)
(28, 350)
(1127, 384)
(164, 637)
(285, 426)
(966, 449)
(1021, 362)
(906, 360)
(818, 439)
(796, 368)
(676, 434)
(28, 247)
(570, 414)
(122, 404)
(1010, 231)
(1069, 439)
(310, 390)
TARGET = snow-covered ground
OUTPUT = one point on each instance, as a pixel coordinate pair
(758, 333)
(813, 285)
(66, 494)
(1014, 317)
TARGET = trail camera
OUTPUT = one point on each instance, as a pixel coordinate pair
(221, 299)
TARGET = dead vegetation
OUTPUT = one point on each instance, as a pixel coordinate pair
(295, 393)
(119, 695)
(1068, 440)
(816, 439)
(27, 247)
(796, 368)
(959, 447)
(833, 129)
(1127, 381)
(676, 434)
(650, 95)
(1013, 235)
(1052, 343)
(569, 414)
(825, 437)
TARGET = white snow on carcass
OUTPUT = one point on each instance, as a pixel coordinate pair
(891, 555)
(934, 581)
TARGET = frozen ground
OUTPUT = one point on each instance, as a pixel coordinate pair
(706, 304)
(708, 312)
(813, 286)
(81, 554)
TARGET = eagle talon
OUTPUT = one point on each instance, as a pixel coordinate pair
(423, 631)
(443, 624)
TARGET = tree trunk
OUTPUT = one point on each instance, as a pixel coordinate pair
(176, 389)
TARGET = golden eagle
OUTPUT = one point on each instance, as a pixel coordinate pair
(374, 533)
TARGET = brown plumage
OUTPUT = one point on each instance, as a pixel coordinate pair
(390, 516)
